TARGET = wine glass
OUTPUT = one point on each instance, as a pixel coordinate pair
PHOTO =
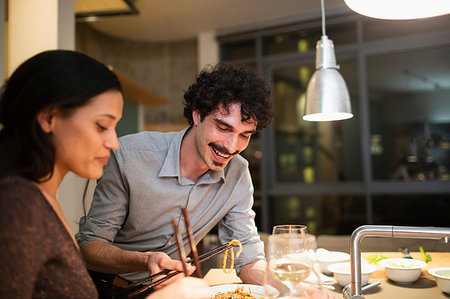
(313, 285)
(290, 260)
(290, 229)
(288, 264)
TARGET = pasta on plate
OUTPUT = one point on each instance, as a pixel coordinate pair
(239, 293)
(224, 263)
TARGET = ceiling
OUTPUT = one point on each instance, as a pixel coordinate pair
(86, 6)
(169, 20)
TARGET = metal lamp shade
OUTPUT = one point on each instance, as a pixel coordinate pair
(327, 97)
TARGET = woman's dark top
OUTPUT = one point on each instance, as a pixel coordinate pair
(38, 258)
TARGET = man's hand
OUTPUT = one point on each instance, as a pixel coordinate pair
(158, 261)
(307, 291)
(106, 258)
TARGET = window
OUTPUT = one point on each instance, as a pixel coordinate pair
(325, 214)
(303, 40)
(410, 115)
(412, 210)
(390, 163)
(238, 50)
(312, 152)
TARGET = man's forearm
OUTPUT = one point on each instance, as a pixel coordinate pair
(106, 258)
(253, 273)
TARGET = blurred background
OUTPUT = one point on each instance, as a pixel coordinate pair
(389, 164)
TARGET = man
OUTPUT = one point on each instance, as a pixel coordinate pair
(128, 229)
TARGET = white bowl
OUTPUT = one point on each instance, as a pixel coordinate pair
(442, 281)
(341, 272)
(402, 270)
(327, 258)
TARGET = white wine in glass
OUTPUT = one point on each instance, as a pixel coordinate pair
(292, 272)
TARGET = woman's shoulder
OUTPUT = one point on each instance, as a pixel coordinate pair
(18, 184)
(16, 191)
(23, 209)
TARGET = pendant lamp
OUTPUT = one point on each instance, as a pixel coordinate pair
(327, 97)
(400, 9)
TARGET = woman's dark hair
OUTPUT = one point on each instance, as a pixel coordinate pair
(59, 79)
(227, 84)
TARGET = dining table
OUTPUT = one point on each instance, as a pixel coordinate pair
(423, 288)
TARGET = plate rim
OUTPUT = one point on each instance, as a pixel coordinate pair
(433, 270)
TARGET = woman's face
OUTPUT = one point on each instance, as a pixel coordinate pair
(83, 140)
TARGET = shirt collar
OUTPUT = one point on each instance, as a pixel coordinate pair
(171, 164)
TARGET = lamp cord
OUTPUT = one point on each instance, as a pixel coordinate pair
(322, 5)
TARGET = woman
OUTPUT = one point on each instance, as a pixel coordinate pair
(59, 111)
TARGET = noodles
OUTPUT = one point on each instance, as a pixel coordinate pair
(237, 294)
(224, 263)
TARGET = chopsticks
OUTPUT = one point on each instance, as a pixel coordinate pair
(195, 258)
(191, 243)
(171, 273)
(180, 246)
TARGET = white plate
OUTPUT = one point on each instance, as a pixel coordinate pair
(256, 290)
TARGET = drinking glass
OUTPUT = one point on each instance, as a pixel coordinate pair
(290, 229)
(290, 260)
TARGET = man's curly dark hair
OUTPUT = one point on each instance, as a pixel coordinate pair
(227, 84)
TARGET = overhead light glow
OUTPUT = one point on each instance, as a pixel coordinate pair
(400, 9)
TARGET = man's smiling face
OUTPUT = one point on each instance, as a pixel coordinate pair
(222, 135)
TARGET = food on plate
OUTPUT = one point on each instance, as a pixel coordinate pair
(224, 263)
(239, 293)
(402, 265)
(444, 273)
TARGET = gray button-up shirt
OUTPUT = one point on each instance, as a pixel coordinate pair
(142, 189)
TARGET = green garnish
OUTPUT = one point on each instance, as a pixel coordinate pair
(426, 257)
(375, 258)
(402, 265)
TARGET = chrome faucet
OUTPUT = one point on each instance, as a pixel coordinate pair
(354, 290)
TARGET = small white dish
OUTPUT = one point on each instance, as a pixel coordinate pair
(402, 270)
(442, 277)
(327, 258)
(342, 273)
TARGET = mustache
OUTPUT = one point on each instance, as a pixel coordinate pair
(222, 149)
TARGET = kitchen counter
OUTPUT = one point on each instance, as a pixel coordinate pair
(424, 287)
